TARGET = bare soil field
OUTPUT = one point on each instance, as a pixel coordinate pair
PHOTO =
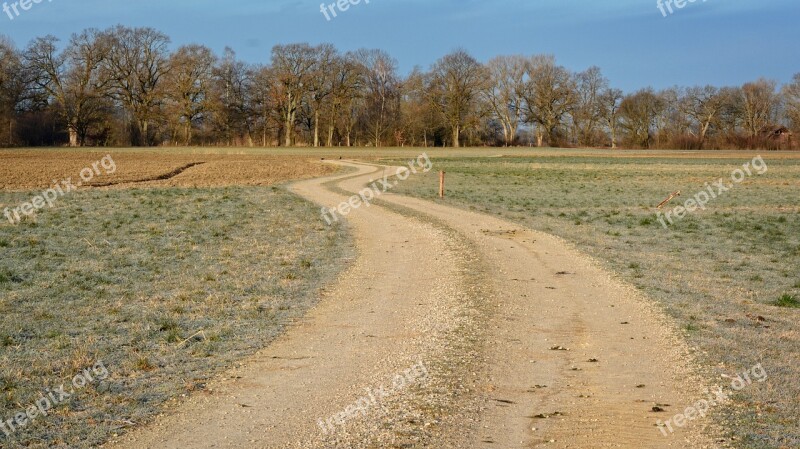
(38, 169)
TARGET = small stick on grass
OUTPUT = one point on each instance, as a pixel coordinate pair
(671, 197)
(200, 332)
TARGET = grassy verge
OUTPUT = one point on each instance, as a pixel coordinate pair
(126, 277)
(728, 274)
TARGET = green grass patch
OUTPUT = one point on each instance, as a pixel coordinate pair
(787, 301)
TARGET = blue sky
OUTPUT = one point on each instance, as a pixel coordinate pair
(719, 42)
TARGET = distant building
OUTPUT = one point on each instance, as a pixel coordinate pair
(777, 137)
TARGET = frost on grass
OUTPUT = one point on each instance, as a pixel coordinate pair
(166, 286)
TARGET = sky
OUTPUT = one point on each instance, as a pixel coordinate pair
(719, 42)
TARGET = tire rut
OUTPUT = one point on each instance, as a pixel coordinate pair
(161, 177)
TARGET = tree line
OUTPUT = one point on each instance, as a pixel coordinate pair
(124, 86)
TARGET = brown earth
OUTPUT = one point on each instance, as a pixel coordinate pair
(39, 169)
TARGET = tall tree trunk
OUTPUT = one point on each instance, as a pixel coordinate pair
(512, 133)
(613, 137)
(457, 136)
(703, 132)
(316, 127)
(289, 122)
(145, 125)
(188, 133)
(73, 136)
(288, 130)
(332, 126)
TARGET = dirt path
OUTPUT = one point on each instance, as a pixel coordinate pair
(466, 309)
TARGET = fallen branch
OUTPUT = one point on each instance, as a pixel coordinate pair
(200, 332)
(671, 197)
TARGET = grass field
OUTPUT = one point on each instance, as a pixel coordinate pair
(166, 286)
(126, 273)
(728, 274)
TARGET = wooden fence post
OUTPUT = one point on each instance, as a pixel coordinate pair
(441, 184)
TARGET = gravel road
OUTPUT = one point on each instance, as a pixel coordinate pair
(450, 329)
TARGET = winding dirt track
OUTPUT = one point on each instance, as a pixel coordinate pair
(481, 303)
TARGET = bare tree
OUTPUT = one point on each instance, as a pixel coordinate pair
(638, 115)
(670, 122)
(703, 106)
(264, 92)
(71, 79)
(322, 83)
(124, 86)
(730, 116)
(12, 89)
(421, 115)
(587, 112)
(294, 66)
(136, 63)
(791, 100)
(347, 83)
(504, 93)
(609, 102)
(759, 105)
(458, 79)
(549, 96)
(381, 92)
(188, 86)
(231, 103)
